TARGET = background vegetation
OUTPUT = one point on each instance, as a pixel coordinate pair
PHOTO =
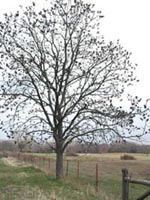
(127, 147)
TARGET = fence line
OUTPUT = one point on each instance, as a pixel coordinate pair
(125, 185)
(79, 169)
(94, 172)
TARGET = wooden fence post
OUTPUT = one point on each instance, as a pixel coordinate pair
(125, 185)
(67, 168)
(43, 162)
(146, 194)
(34, 160)
(39, 161)
(78, 169)
(49, 163)
(97, 177)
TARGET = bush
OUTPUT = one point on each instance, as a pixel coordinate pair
(3, 155)
(127, 157)
(71, 154)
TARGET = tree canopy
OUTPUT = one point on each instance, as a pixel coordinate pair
(60, 79)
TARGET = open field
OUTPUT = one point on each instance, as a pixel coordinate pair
(97, 157)
(82, 187)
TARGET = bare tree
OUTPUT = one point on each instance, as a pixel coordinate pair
(59, 77)
(23, 141)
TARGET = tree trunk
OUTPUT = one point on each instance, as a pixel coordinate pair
(59, 163)
(59, 149)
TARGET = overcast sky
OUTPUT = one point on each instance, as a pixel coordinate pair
(126, 20)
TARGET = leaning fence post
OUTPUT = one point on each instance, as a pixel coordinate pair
(125, 185)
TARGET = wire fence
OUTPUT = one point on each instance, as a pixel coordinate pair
(84, 170)
(105, 174)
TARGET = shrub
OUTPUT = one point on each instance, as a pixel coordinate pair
(71, 154)
(3, 155)
(127, 157)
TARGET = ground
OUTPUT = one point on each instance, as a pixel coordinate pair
(21, 181)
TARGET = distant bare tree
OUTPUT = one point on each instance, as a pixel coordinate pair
(59, 77)
(22, 140)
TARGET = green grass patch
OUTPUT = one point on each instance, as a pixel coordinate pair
(22, 183)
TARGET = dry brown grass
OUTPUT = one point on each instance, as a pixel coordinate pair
(10, 161)
(110, 167)
(26, 193)
(13, 162)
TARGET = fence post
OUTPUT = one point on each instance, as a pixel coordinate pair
(78, 169)
(35, 161)
(49, 163)
(32, 161)
(43, 162)
(146, 194)
(31, 157)
(39, 162)
(125, 185)
(97, 177)
(67, 168)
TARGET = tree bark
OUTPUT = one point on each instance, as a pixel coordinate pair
(59, 163)
(59, 147)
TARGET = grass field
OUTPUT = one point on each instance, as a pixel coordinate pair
(19, 182)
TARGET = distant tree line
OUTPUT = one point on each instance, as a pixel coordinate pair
(11, 145)
(128, 147)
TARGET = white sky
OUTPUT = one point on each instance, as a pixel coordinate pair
(126, 20)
